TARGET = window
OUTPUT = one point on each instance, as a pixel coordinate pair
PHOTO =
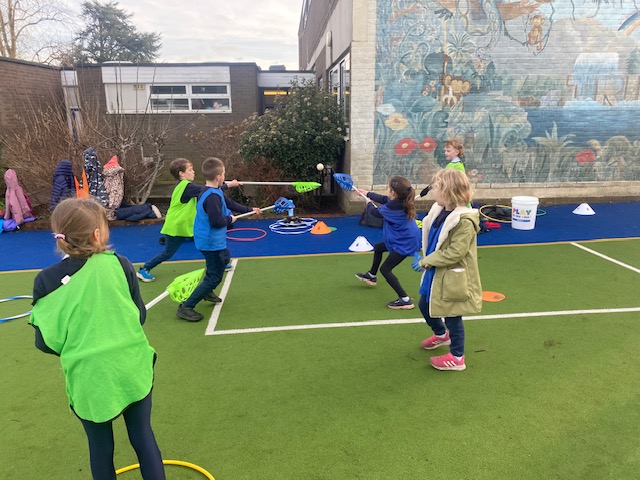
(306, 6)
(269, 96)
(189, 98)
(168, 89)
(340, 85)
(345, 87)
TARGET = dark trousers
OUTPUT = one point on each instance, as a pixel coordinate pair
(215, 261)
(392, 261)
(137, 417)
(453, 324)
(171, 246)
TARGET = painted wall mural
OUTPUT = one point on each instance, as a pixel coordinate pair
(537, 90)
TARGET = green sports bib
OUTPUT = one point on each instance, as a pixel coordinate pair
(93, 323)
(180, 216)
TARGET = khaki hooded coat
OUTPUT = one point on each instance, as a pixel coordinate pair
(456, 288)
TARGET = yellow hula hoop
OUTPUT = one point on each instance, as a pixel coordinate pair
(171, 462)
(508, 207)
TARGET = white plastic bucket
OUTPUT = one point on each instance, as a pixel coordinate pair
(523, 212)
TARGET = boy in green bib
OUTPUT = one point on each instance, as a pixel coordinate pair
(178, 224)
(453, 150)
(87, 310)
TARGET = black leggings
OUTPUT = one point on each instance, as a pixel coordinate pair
(393, 260)
(137, 417)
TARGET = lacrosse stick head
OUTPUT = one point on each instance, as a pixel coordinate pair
(184, 285)
(283, 205)
(344, 181)
(425, 190)
(304, 187)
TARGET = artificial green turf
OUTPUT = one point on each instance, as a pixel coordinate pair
(548, 397)
(622, 249)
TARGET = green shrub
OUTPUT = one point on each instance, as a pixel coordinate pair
(305, 128)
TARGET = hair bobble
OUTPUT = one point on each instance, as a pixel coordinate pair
(59, 236)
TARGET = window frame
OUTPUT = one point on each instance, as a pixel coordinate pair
(339, 83)
(210, 100)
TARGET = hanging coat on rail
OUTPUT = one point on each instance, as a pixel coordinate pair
(16, 205)
(63, 183)
(93, 169)
(114, 184)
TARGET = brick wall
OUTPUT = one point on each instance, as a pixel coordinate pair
(24, 85)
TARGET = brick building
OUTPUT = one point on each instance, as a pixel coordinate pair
(25, 85)
(178, 98)
(544, 96)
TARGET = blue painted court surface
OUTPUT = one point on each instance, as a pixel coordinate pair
(24, 250)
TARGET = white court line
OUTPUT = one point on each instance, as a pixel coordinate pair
(217, 307)
(404, 321)
(612, 260)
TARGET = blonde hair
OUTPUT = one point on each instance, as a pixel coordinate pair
(454, 186)
(456, 144)
(74, 222)
(403, 189)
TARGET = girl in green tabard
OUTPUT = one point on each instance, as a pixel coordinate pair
(88, 311)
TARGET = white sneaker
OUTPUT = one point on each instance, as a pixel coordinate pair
(156, 211)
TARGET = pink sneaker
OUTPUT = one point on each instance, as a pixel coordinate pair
(447, 362)
(434, 341)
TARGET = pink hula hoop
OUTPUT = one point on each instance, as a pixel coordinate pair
(247, 229)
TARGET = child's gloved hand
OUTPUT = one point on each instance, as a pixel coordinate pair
(415, 264)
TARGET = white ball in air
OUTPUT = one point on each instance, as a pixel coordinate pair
(320, 167)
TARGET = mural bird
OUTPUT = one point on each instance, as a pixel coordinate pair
(508, 11)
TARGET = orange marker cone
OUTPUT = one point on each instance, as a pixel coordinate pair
(320, 228)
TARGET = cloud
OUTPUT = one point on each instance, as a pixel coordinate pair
(264, 32)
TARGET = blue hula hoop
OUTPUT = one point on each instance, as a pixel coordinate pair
(17, 297)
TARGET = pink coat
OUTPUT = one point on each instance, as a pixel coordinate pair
(15, 203)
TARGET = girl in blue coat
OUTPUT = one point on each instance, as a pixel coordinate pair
(400, 233)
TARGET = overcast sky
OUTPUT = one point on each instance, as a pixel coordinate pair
(260, 31)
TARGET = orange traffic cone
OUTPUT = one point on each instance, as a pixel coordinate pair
(320, 228)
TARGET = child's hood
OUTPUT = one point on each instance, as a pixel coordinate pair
(91, 162)
(11, 179)
(471, 214)
(112, 167)
(64, 169)
(393, 212)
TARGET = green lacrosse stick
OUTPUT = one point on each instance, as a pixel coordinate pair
(301, 187)
(180, 288)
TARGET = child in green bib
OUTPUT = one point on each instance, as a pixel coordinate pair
(453, 150)
(87, 310)
(178, 224)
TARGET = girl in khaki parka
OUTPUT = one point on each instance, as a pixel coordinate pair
(450, 284)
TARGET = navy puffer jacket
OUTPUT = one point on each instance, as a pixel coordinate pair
(63, 183)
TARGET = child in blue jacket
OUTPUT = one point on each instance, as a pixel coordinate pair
(400, 233)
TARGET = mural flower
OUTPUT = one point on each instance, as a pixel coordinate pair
(386, 109)
(586, 156)
(427, 145)
(405, 146)
(396, 121)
